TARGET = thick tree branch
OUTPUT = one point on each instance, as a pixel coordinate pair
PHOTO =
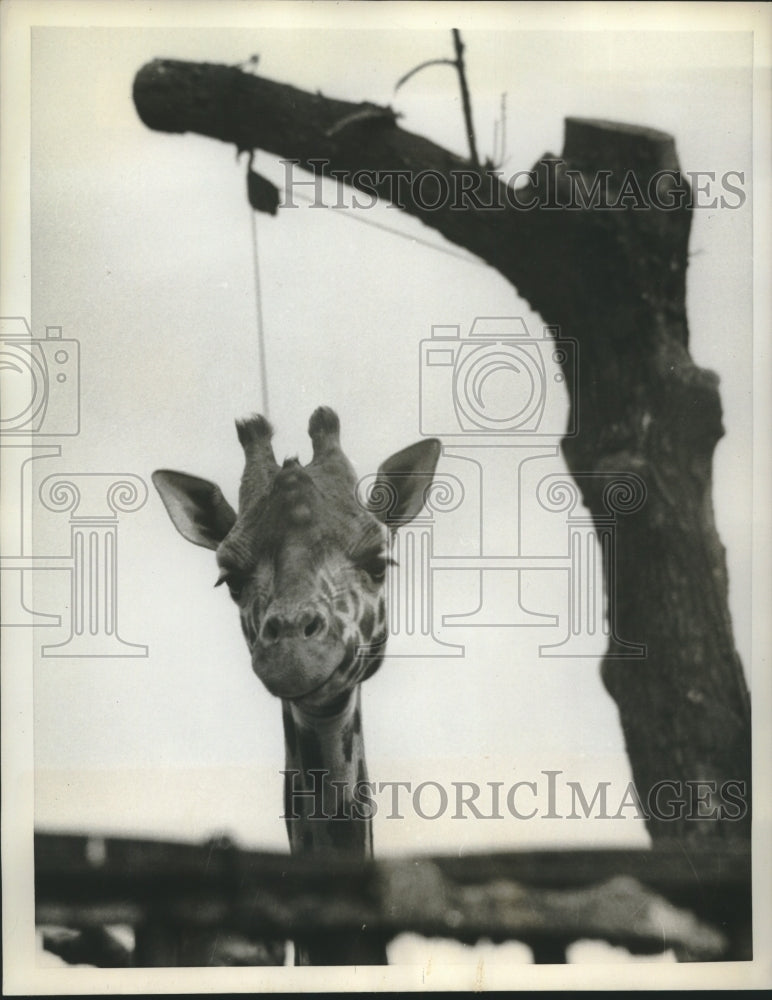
(522, 233)
(324, 135)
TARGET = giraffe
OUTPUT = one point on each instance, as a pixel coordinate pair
(305, 562)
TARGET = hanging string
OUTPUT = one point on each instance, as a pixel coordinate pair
(261, 346)
(262, 361)
(395, 232)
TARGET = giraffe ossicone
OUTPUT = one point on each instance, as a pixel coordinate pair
(305, 562)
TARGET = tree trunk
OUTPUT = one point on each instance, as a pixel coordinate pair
(608, 265)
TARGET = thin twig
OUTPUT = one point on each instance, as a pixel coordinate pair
(459, 45)
(420, 66)
(503, 128)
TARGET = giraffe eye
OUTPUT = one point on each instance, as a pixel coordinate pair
(233, 581)
(375, 567)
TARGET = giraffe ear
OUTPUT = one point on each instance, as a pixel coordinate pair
(400, 487)
(197, 507)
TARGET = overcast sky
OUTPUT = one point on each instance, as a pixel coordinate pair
(141, 249)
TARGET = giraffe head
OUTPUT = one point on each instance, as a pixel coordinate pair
(303, 559)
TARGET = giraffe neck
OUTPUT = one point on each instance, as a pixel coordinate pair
(325, 807)
(327, 812)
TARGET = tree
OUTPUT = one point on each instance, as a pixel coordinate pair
(597, 242)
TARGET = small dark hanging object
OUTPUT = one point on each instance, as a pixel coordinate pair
(263, 195)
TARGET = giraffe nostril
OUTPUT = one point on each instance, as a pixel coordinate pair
(307, 625)
(271, 630)
(314, 627)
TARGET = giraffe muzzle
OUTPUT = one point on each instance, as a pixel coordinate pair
(296, 653)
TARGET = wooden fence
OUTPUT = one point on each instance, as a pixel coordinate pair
(214, 904)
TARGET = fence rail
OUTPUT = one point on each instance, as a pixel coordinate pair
(180, 899)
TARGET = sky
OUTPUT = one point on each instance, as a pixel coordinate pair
(141, 249)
